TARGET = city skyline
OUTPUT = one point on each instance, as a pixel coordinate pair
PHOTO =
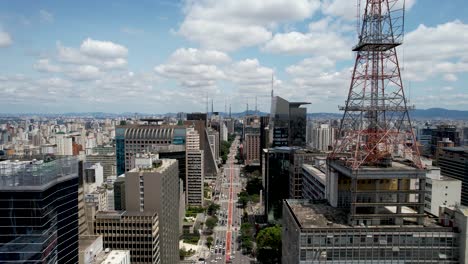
(166, 56)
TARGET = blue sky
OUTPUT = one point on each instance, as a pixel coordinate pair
(168, 56)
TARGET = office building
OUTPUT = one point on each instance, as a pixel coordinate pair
(316, 233)
(194, 169)
(453, 163)
(199, 121)
(64, 145)
(134, 231)
(92, 252)
(323, 137)
(440, 191)
(313, 182)
(444, 132)
(251, 140)
(107, 160)
(288, 121)
(213, 140)
(424, 137)
(39, 204)
(282, 176)
(148, 138)
(153, 186)
(464, 140)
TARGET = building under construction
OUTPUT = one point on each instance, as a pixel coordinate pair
(376, 182)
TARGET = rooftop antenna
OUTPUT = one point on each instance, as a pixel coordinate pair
(255, 105)
(272, 81)
(247, 112)
(206, 104)
(358, 16)
(225, 107)
(211, 106)
(229, 110)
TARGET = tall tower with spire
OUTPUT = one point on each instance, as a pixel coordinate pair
(377, 144)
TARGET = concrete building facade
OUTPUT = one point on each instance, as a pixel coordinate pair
(194, 169)
(453, 163)
(316, 233)
(313, 183)
(441, 191)
(323, 137)
(137, 232)
(156, 189)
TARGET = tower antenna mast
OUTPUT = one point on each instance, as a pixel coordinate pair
(376, 126)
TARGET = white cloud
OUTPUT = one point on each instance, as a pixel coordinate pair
(433, 51)
(46, 16)
(296, 43)
(326, 37)
(107, 59)
(44, 65)
(311, 66)
(194, 68)
(222, 36)
(103, 49)
(319, 81)
(195, 56)
(5, 39)
(250, 77)
(85, 73)
(232, 24)
(449, 77)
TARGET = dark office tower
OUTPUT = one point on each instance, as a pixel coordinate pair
(135, 139)
(264, 133)
(288, 122)
(464, 139)
(39, 211)
(453, 163)
(444, 131)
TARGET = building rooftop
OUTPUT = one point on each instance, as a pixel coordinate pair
(119, 214)
(396, 167)
(33, 174)
(319, 214)
(460, 150)
(114, 256)
(159, 165)
(315, 171)
(86, 241)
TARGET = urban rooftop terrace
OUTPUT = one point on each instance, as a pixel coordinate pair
(36, 172)
(319, 214)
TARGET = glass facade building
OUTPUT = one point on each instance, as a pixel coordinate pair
(39, 211)
(288, 122)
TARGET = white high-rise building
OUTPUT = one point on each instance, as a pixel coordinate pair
(194, 169)
(64, 145)
(323, 137)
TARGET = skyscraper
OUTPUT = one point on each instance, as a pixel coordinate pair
(39, 204)
(194, 169)
(153, 186)
(288, 121)
(323, 137)
(251, 145)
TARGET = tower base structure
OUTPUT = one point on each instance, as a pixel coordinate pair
(370, 195)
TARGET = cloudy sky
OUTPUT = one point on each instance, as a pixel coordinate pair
(167, 56)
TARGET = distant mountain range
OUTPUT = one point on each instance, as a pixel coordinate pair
(429, 114)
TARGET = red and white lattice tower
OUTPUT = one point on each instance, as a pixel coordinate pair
(376, 126)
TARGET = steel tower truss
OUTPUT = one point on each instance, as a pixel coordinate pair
(376, 125)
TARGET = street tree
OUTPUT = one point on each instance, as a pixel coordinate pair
(269, 245)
